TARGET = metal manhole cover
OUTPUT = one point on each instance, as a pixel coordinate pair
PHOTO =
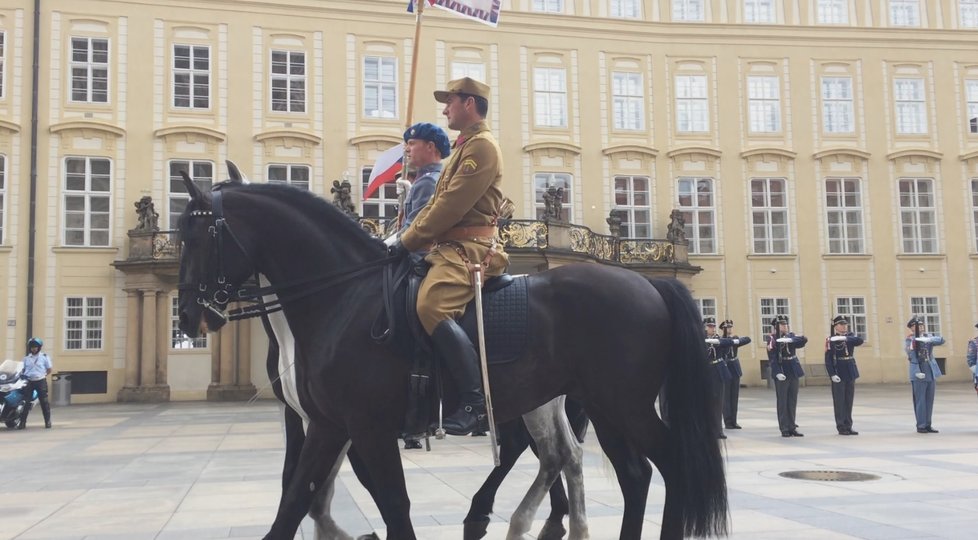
(830, 476)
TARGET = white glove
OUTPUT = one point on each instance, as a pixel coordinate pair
(782, 377)
(736, 341)
(784, 340)
(837, 338)
(389, 241)
(920, 375)
(922, 339)
(836, 378)
(713, 341)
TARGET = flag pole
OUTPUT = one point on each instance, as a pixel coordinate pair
(412, 82)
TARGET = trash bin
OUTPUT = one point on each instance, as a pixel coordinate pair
(61, 389)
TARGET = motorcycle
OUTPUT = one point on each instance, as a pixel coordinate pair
(12, 399)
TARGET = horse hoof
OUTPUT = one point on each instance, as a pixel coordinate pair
(552, 530)
(371, 536)
(474, 530)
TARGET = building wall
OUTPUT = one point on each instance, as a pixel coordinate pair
(139, 131)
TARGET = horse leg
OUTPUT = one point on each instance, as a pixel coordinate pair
(634, 475)
(381, 458)
(553, 528)
(513, 442)
(319, 510)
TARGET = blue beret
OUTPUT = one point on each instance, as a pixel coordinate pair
(431, 133)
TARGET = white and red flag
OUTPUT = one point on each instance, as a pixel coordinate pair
(386, 167)
(484, 11)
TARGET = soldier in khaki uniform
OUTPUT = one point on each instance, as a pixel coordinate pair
(459, 225)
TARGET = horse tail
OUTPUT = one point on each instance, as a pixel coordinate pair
(691, 402)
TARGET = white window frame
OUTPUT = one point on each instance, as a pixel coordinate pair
(838, 109)
(89, 76)
(844, 216)
(179, 340)
(380, 92)
(625, 9)
(383, 203)
(550, 97)
(628, 101)
(968, 13)
(764, 104)
(700, 218)
(177, 196)
(472, 70)
(832, 11)
(692, 104)
(88, 326)
(628, 200)
(289, 173)
(91, 196)
(770, 230)
(910, 105)
(3, 63)
(191, 82)
(548, 6)
(688, 11)
(770, 307)
(927, 308)
(905, 13)
(918, 215)
(971, 98)
(542, 181)
(974, 212)
(854, 309)
(707, 307)
(760, 12)
(289, 74)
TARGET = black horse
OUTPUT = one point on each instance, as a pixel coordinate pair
(604, 335)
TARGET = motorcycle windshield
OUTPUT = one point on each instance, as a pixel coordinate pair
(9, 371)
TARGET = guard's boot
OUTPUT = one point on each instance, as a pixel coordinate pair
(463, 363)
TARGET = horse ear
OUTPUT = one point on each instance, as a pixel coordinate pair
(234, 173)
(192, 189)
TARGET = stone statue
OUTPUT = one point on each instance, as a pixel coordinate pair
(677, 227)
(553, 201)
(342, 197)
(615, 217)
(148, 219)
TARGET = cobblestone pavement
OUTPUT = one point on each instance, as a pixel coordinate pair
(204, 470)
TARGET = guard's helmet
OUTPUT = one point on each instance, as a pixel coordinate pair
(35, 342)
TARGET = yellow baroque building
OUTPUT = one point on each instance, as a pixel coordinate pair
(824, 154)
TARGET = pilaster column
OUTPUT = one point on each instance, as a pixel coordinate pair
(132, 338)
(143, 380)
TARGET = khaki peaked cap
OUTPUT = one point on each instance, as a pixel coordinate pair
(465, 85)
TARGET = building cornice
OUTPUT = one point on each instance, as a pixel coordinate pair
(841, 151)
(768, 151)
(910, 152)
(559, 145)
(9, 126)
(87, 125)
(289, 134)
(685, 150)
(969, 156)
(375, 138)
(189, 129)
(634, 148)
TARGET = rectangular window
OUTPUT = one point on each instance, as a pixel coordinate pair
(928, 309)
(472, 70)
(294, 175)
(764, 104)
(844, 215)
(544, 181)
(707, 307)
(759, 11)
(380, 87)
(833, 12)
(974, 210)
(3, 57)
(83, 323)
(696, 201)
(769, 210)
(289, 81)
(905, 12)
(854, 309)
(550, 97)
(911, 107)
(191, 76)
(89, 70)
(628, 101)
(87, 194)
(383, 203)
(179, 340)
(626, 9)
(968, 13)
(971, 95)
(202, 173)
(3, 192)
(692, 104)
(837, 105)
(548, 6)
(633, 197)
(688, 10)
(770, 308)
(918, 215)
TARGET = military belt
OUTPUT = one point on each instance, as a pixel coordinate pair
(466, 233)
(847, 358)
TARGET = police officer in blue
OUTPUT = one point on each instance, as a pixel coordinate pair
(731, 388)
(924, 371)
(786, 370)
(37, 367)
(425, 146)
(840, 364)
(720, 372)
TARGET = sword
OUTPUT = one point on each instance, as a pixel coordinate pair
(476, 270)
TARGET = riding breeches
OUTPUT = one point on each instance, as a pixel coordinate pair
(447, 288)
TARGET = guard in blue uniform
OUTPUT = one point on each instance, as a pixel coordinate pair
(972, 358)
(729, 343)
(720, 372)
(786, 370)
(924, 371)
(840, 364)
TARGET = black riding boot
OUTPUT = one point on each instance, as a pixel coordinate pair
(463, 363)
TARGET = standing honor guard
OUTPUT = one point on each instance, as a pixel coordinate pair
(924, 371)
(840, 364)
(972, 358)
(720, 372)
(731, 388)
(786, 370)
